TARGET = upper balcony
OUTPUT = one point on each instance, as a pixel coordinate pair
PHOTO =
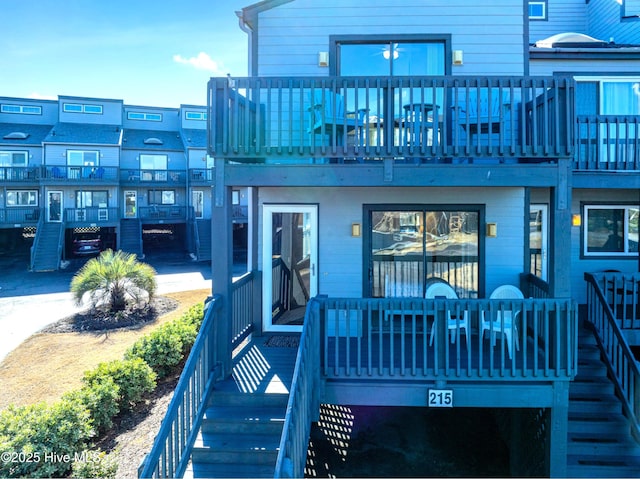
(160, 177)
(409, 119)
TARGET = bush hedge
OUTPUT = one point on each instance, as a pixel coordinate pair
(51, 441)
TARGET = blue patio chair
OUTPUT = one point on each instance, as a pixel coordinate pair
(57, 172)
(481, 114)
(328, 114)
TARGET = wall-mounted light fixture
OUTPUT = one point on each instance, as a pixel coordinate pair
(458, 57)
(492, 230)
(323, 59)
(576, 220)
(356, 230)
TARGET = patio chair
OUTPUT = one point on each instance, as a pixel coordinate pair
(438, 290)
(505, 319)
(328, 116)
(481, 114)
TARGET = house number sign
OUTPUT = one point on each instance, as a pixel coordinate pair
(440, 398)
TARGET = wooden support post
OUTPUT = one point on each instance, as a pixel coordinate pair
(222, 263)
(253, 238)
(558, 430)
(560, 239)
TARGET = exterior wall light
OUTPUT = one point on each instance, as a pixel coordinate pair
(492, 230)
(458, 57)
(576, 220)
(323, 59)
(356, 230)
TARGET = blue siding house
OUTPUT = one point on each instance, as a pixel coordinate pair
(443, 204)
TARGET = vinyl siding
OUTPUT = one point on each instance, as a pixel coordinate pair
(290, 36)
(605, 22)
(563, 16)
(57, 154)
(587, 67)
(341, 255)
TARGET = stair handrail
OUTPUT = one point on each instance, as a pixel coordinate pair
(304, 400)
(621, 363)
(172, 447)
(60, 243)
(36, 240)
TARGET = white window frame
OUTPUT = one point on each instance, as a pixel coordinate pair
(630, 9)
(195, 115)
(626, 231)
(82, 108)
(144, 116)
(86, 157)
(31, 195)
(544, 15)
(21, 109)
(12, 154)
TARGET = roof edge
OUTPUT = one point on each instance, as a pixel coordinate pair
(250, 13)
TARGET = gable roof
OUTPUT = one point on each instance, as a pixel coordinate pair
(250, 13)
(35, 134)
(84, 134)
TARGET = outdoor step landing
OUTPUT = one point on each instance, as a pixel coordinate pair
(240, 419)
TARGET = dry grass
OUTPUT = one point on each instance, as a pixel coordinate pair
(47, 365)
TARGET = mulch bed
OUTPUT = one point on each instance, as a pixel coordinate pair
(99, 319)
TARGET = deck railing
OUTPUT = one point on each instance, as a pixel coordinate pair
(623, 366)
(370, 118)
(20, 215)
(304, 399)
(534, 287)
(166, 213)
(244, 290)
(622, 293)
(607, 142)
(171, 450)
(91, 215)
(20, 173)
(80, 174)
(393, 339)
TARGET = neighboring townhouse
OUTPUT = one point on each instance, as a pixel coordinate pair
(430, 184)
(82, 174)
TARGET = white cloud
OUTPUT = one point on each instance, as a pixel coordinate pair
(200, 62)
(39, 96)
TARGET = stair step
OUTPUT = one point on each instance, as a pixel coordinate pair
(240, 419)
(587, 369)
(595, 386)
(603, 466)
(229, 470)
(236, 448)
(586, 403)
(596, 422)
(599, 444)
(221, 397)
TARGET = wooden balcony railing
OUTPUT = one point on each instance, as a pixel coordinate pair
(20, 215)
(80, 174)
(20, 173)
(607, 142)
(163, 212)
(366, 118)
(161, 177)
(91, 215)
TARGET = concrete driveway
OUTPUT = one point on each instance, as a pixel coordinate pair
(30, 301)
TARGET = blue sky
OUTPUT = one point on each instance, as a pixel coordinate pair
(145, 52)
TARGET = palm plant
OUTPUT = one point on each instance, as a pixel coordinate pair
(114, 279)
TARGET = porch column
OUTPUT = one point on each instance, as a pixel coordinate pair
(560, 238)
(253, 237)
(222, 263)
(558, 430)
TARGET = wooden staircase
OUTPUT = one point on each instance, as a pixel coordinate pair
(240, 435)
(46, 247)
(203, 252)
(131, 236)
(599, 442)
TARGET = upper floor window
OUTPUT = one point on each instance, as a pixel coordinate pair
(538, 10)
(139, 115)
(89, 199)
(24, 109)
(391, 57)
(195, 115)
(630, 9)
(153, 162)
(611, 230)
(81, 108)
(161, 197)
(82, 158)
(13, 158)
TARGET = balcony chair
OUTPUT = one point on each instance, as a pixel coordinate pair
(438, 290)
(57, 173)
(478, 116)
(327, 112)
(505, 320)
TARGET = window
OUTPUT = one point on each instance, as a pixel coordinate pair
(22, 198)
(154, 167)
(162, 197)
(89, 199)
(82, 158)
(13, 158)
(81, 108)
(406, 246)
(195, 115)
(23, 109)
(538, 10)
(139, 115)
(630, 9)
(610, 230)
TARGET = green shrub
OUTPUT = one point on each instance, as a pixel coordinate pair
(165, 347)
(95, 464)
(42, 441)
(101, 399)
(133, 377)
